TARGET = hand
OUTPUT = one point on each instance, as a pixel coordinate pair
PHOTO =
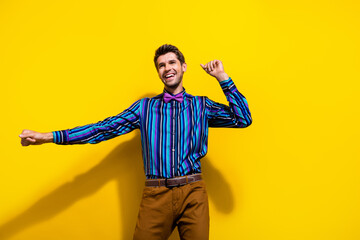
(215, 68)
(29, 137)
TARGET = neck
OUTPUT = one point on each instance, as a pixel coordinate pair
(174, 90)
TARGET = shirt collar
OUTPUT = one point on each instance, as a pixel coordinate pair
(182, 92)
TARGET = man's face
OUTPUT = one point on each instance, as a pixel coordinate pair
(170, 70)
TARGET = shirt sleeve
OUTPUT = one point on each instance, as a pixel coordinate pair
(236, 115)
(111, 127)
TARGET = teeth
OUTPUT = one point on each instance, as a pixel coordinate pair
(169, 75)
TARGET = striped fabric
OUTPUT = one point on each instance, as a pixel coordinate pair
(174, 135)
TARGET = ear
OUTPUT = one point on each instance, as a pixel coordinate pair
(184, 67)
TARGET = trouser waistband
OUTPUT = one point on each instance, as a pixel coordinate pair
(173, 182)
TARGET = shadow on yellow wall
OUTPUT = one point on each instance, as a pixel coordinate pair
(123, 164)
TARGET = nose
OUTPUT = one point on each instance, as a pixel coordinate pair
(167, 67)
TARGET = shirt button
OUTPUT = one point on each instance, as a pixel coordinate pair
(173, 149)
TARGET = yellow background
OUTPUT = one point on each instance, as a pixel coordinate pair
(292, 175)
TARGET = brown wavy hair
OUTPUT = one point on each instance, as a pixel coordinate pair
(166, 48)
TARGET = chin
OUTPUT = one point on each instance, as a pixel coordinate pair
(171, 84)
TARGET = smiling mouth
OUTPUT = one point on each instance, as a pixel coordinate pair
(169, 75)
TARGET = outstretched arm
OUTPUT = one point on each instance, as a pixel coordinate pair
(104, 130)
(29, 137)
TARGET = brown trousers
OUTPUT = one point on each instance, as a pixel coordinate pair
(162, 209)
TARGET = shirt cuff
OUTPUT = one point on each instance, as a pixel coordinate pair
(228, 86)
(61, 137)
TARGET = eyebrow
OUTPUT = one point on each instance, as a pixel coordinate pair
(171, 60)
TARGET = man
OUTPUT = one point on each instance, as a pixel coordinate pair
(174, 132)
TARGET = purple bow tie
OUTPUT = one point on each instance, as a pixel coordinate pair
(168, 97)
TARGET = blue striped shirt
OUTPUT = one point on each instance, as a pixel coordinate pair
(174, 135)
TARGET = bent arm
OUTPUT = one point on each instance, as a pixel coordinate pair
(237, 114)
